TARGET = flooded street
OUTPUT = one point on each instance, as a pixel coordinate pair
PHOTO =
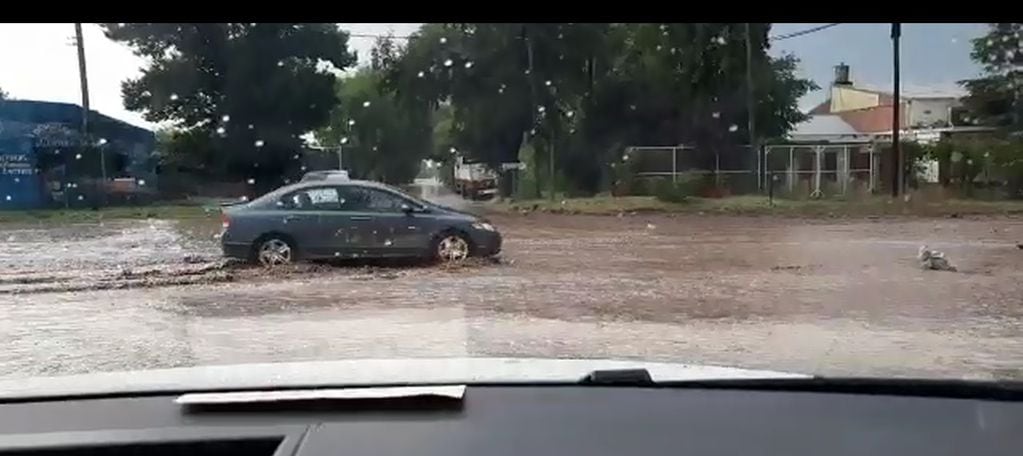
(827, 297)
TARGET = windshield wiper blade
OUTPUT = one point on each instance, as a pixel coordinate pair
(618, 377)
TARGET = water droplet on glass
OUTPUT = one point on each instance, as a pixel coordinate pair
(374, 148)
(251, 181)
(80, 197)
(351, 122)
(500, 90)
(221, 130)
(570, 113)
(733, 128)
(421, 74)
(527, 71)
(173, 97)
(365, 104)
(571, 130)
(295, 156)
(142, 182)
(1010, 54)
(16, 180)
(632, 107)
(255, 165)
(532, 131)
(303, 168)
(8, 197)
(250, 126)
(625, 157)
(259, 143)
(663, 27)
(388, 242)
(448, 62)
(443, 40)
(244, 198)
(280, 63)
(720, 40)
(287, 181)
(547, 83)
(453, 150)
(225, 118)
(102, 141)
(344, 140)
(658, 47)
(715, 115)
(541, 109)
(78, 156)
(337, 254)
(468, 64)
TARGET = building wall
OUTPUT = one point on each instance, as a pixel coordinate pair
(848, 99)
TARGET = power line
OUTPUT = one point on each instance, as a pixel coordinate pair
(373, 35)
(801, 32)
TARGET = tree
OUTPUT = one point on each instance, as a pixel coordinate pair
(994, 98)
(3, 95)
(583, 92)
(382, 138)
(242, 93)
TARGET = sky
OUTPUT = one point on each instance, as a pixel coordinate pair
(39, 61)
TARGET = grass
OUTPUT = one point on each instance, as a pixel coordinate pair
(64, 216)
(761, 205)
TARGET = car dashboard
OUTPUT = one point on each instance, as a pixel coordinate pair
(523, 420)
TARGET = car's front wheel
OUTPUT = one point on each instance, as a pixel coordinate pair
(274, 250)
(450, 247)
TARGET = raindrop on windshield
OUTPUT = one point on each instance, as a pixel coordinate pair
(174, 97)
(16, 180)
(541, 109)
(251, 181)
(453, 150)
(448, 62)
(351, 122)
(421, 74)
(659, 47)
(250, 126)
(632, 107)
(570, 113)
(547, 83)
(365, 104)
(221, 130)
(142, 182)
(720, 40)
(259, 143)
(78, 156)
(733, 128)
(468, 64)
(344, 140)
(280, 63)
(244, 198)
(80, 197)
(303, 168)
(716, 115)
(226, 118)
(527, 71)
(295, 156)
(102, 141)
(443, 40)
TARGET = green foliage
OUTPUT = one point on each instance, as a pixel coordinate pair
(671, 192)
(381, 140)
(994, 98)
(3, 95)
(241, 93)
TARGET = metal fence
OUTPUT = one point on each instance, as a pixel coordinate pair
(822, 170)
(733, 168)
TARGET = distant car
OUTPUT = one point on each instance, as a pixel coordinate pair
(321, 219)
(331, 174)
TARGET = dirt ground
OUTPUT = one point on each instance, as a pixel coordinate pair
(826, 297)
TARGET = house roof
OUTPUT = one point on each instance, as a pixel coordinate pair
(917, 91)
(824, 125)
(28, 113)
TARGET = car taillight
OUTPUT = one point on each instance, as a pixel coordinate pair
(225, 221)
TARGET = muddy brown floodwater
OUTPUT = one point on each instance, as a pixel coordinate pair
(826, 297)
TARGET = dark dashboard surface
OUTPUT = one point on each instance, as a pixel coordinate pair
(519, 420)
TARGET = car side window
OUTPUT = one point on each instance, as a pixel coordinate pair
(371, 200)
(313, 199)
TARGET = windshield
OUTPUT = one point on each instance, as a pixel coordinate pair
(833, 199)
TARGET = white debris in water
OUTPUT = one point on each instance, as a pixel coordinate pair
(933, 260)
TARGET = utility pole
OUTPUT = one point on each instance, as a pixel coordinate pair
(84, 79)
(751, 104)
(897, 161)
(532, 102)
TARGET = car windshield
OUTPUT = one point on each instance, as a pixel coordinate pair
(836, 199)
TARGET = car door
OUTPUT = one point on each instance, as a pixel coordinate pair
(351, 226)
(301, 218)
(377, 224)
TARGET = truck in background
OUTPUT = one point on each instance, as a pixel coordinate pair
(474, 181)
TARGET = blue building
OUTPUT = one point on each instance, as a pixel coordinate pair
(45, 160)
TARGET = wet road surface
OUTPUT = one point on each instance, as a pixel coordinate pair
(827, 297)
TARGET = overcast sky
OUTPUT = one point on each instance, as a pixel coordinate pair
(39, 61)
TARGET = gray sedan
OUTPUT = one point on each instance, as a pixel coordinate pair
(351, 219)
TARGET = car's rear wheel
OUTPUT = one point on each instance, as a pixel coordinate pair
(274, 250)
(451, 247)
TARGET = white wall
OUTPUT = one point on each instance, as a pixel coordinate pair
(926, 112)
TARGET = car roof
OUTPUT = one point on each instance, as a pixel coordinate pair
(328, 182)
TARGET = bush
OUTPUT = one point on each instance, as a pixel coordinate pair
(672, 192)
